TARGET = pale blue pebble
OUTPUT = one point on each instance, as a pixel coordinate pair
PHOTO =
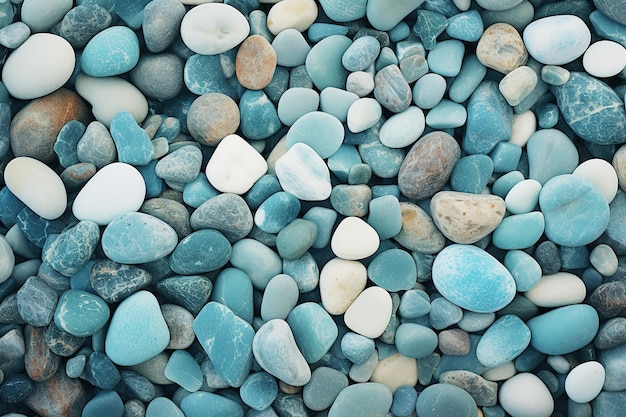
(113, 51)
(132, 142)
(361, 54)
(503, 341)
(362, 400)
(276, 212)
(344, 11)
(325, 219)
(415, 341)
(385, 216)
(163, 407)
(279, 84)
(357, 348)
(400, 32)
(524, 268)
(318, 31)
(446, 115)
(444, 313)
(259, 119)
(336, 102)
(560, 364)
(295, 239)
(259, 390)
(322, 390)
(257, 260)
(313, 329)
(300, 78)
(350, 200)
(323, 63)
(363, 372)
(203, 74)
(414, 304)
(429, 90)
(608, 28)
(505, 157)
(291, 48)
(279, 298)
(13, 35)
(233, 289)
(106, 403)
(547, 115)
(446, 58)
(503, 185)
(471, 75)
(386, 57)
(466, 26)
(310, 128)
(414, 67)
(75, 365)
(384, 161)
(393, 270)
(304, 271)
(207, 404)
(476, 322)
(519, 231)
(471, 174)
(404, 399)
(360, 174)
(303, 173)
(409, 47)
(189, 256)
(554, 75)
(258, 24)
(360, 83)
(183, 369)
(429, 26)
(198, 191)
(70, 250)
(295, 103)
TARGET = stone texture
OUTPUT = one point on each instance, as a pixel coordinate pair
(255, 63)
(211, 117)
(609, 299)
(501, 48)
(40, 363)
(60, 396)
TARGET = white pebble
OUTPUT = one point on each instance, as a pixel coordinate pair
(41, 65)
(341, 282)
(363, 114)
(303, 173)
(525, 395)
(585, 381)
(523, 197)
(403, 129)
(354, 239)
(518, 84)
(291, 14)
(235, 166)
(111, 95)
(524, 125)
(557, 40)
(395, 371)
(602, 174)
(360, 83)
(37, 186)
(7, 259)
(557, 290)
(604, 260)
(604, 59)
(500, 373)
(43, 20)
(213, 28)
(115, 189)
(369, 314)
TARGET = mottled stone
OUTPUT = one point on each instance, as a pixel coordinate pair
(179, 321)
(211, 117)
(82, 23)
(115, 281)
(612, 333)
(161, 23)
(40, 363)
(171, 212)
(418, 232)
(484, 392)
(225, 212)
(69, 251)
(501, 48)
(189, 257)
(255, 63)
(158, 76)
(59, 396)
(454, 342)
(392, 90)
(191, 292)
(609, 299)
(36, 302)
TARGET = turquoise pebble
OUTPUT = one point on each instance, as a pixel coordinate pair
(444, 313)
(318, 31)
(310, 127)
(409, 47)
(208, 404)
(259, 390)
(361, 54)
(413, 67)
(113, 51)
(385, 216)
(343, 160)
(446, 115)
(446, 58)
(608, 28)
(607, 402)
(323, 388)
(169, 129)
(415, 341)
(154, 184)
(259, 119)
(233, 289)
(276, 212)
(400, 32)
(344, 11)
(382, 190)
(393, 270)
(163, 407)
(75, 365)
(369, 399)
(295, 103)
(261, 190)
(183, 369)
(564, 329)
(384, 161)
(470, 76)
(190, 256)
(351, 200)
(404, 400)
(529, 359)
(547, 115)
(323, 63)
(554, 75)
(414, 304)
(182, 165)
(565, 201)
(445, 400)
(357, 348)
(299, 78)
(257, 260)
(612, 360)
(227, 341)
(475, 322)
(314, 330)
(304, 271)
(150, 238)
(429, 90)
(132, 142)
(391, 89)
(503, 341)
(81, 313)
(13, 35)
(387, 57)
(550, 153)
(574, 257)
(291, 48)
(519, 231)
(198, 191)
(360, 174)
(203, 74)
(336, 102)
(295, 239)
(70, 250)
(325, 219)
(492, 286)
(503, 185)
(505, 157)
(429, 26)
(466, 26)
(471, 174)
(10, 207)
(104, 402)
(65, 146)
(279, 84)
(524, 268)
(279, 298)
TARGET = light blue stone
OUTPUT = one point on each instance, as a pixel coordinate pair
(299, 78)
(81, 313)
(321, 131)
(503, 341)
(404, 399)
(415, 341)
(325, 219)
(384, 161)
(445, 400)
(547, 115)
(393, 270)
(446, 58)
(382, 17)
(233, 289)
(137, 331)
(322, 390)
(13, 35)
(608, 403)
(505, 157)
(369, 399)
(304, 271)
(227, 341)
(554, 75)
(361, 54)
(199, 252)
(357, 348)
(70, 250)
(391, 89)
(295, 239)
(291, 48)
(183, 369)
(382, 190)
(276, 212)
(261, 190)
(519, 231)
(608, 28)
(344, 11)
(476, 322)
(350, 200)
(387, 57)
(414, 304)
(343, 160)
(471, 174)
(429, 90)
(318, 31)
(446, 115)
(67, 141)
(385, 216)
(113, 51)
(429, 26)
(135, 238)
(469, 78)
(466, 26)
(472, 278)
(259, 119)
(336, 102)
(400, 32)
(203, 74)
(154, 184)
(313, 329)
(524, 268)
(278, 85)
(414, 67)
(503, 185)
(132, 142)
(257, 260)
(564, 329)
(75, 365)
(550, 153)
(567, 202)
(279, 298)
(259, 390)
(323, 63)
(208, 404)
(614, 362)
(163, 407)
(295, 103)
(182, 165)
(198, 191)
(443, 313)
(489, 119)
(104, 403)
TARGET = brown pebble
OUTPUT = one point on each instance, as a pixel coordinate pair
(40, 362)
(501, 48)
(212, 117)
(428, 165)
(454, 342)
(34, 128)
(59, 396)
(609, 299)
(75, 176)
(255, 63)
(419, 233)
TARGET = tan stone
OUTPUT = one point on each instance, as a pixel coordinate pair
(212, 117)
(501, 48)
(40, 363)
(418, 232)
(255, 63)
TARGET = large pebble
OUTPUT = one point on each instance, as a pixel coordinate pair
(602, 174)
(208, 404)
(161, 23)
(403, 129)
(445, 399)
(341, 282)
(212, 117)
(291, 14)
(562, 288)
(585, 381)
(190, 255)
(255, 63)
(369, 313)
(303, 173)
(368, 399)
(604, 59)
(114, 281)
(557, 40)
(503, 341)
(525, 395)
(313, 125)
(418, 232)
(113, 51)
(501, 48)
(81, 313)
(354, 239)
(382, 17)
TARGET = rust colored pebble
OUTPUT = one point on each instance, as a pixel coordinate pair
(59, 396)
(40, 363)
(255, 63)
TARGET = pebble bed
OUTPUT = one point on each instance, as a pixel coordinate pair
(292, 208)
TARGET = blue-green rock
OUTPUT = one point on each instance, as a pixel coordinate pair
(154, 184)
(325, 219)
(503, 341)
(276, 212)
(36, 229)
(227, 213)
(303, 173)
(101, 372)
(208, 404)
(291, 49)
(414, 304)
(259, 390)
(466, 26)
(312, 127)
(279, 298)
(295, 239)
(429, 90)
(503, 185)
(69, 251)
(524, 268)
(82, 23)
(233, 289)
(161, 24)
(259, 119)
(505, 157)
(392, 90)
(614, 363)
(443, 313)
(81, 313)
(384, 161)
(608, 403)
(203, 74)
(446, 58)
(261, 190)
(469, 78)
(547, 115)
(393, 270)
(182, 165)
(323, 388)
(357, 348)
(198, 191)
(304, 271)
(445, 400)
(163, 407)
(369, 399)
(189, 291)
(350, 200)
(75, 365)
(344, 11)
(471, 174)
(415, 341)
(202, 251)
(313, 329)
(613, 10)
(104, 403)
(36, 302)
(132, 142)
(295, 103)
(519, 231)
(257, 260)
(183, 369)
(404, 400)
(113, 51)
(608, 28)
(227, 340)
(550, 153)
(429, 26)
(343, 160)
(67, 142)
(337, 102)
(361, 54)
(323, 63)
(385, 216)
(299, 78)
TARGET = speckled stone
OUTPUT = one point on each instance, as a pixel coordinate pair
(60, 396)
(454, 342)
(161, 23)
(115, 281)
(40, 362)
(82, 23)
(212, 117)
(158, 76)
(501, 48)
(171, 212)
(189, 291)
(484, 392)
(609, 299)
(255, 63)
(392, 90)
(36, 302)
(225, 212)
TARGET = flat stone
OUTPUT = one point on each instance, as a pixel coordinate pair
(59, 395)
(259, 390)
(255, 63)
(81, 313)
(482, 391)
(36, 302)
(343, 244)
(503, 341)
(438, 399)
(313, 329)
(189, 256)
(369, 313)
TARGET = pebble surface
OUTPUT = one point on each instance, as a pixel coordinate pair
(302, 207)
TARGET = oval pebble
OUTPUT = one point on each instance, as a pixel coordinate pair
(604, 59)
(525, 395)
(81, 313)
(291, 14)
(562, 288)
(503, 341)
(523, 197)
(557, 40)
(313, 125)
(112, 51)
(345, 246)
(602, 174)
(403, 129)
(585, 381)
(363, 114)
(367, 399)
(255, 63)
(369, 313)
(445, 399)
(341, 282)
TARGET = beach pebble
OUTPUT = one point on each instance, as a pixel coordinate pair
(402, 129)
(308, 128)
(557, 40)
(362, 400)
(303, 173)
(291, 14)
(255, 63)
(482, 391)
(363, 114)
(291, 48)
(80, 313)
(523, 197)
(604, 59)
(161, 23)
(213, 28)
(501, 48)
(525, 395)
(518, 84)
(602, 174)
(445, 399)
(344, 245)
(585, 381)
(503, 341)
(391, 89)
(113, 51)
(556, 290)
(369, 313)
(383, 18)
(341, 281)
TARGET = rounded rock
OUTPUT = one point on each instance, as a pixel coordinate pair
(557, 40)
(369, 313)
(255, 63)
(585, 381)
(501, 48)
(341, 282)
(81, 313)
(291, 14)
(212, 117)
(445, 399)
(158, 76)
(113, 51)
(525, 395)
(344, 245)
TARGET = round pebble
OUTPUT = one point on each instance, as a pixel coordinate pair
(557, 40)
(604, 59)
(525, 395)
(585, 381)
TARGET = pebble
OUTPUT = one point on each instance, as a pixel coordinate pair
(191, 292)
(291, 48)
(295, 103)
(482, 391)
(604, 260)
(585, 381)
(393, 270)
(429, 26)
(59, 395)
(101, 372)
(197, 403)
(369, 314)
(525, 395)
(341, 282)
(525, 270)
(294, 14)
(602, 174)
(503, 341)
(454, 342)
(227, 213)
(604, 59)
(471, 174)
(403, 129)
(257, 260)
(210, 29)
(418, 232)
(36, 302)
(188, 257)
(556, 290)
(363, 114)
(523, 197)
(16, 388)
(303, 173)
(308, 128)
(69, 251)
(415, 341)
(80, 313)
(40, 362)
(161, 24)
(255, 63)
(501, 48)
(445, 399)
(343, 244)
(608, 299)
(147, 76)
(446, 58)
(113, 51)
(323, 62)
(391, 89)
(361, 400)
(567, 34)
(518, 84)
(361, 54)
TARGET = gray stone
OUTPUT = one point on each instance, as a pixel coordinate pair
(82, 23)
(484, 392)
(179, 322)
(159, 76)
(62, 343)
(36, 302)
(96, 146)
(114, 281)
(225, 212)
(161, 23)
(171, 212)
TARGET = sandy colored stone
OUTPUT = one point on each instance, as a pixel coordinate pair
(34, 129)
(60, 396)
(501, 48)
(454, 342)
(464, 217)
(255, 63)
(212, 117)
(419, 232)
